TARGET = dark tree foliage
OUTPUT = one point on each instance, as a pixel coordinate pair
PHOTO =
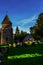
(40, 24)
(17, 30)
(37, 29)
(19, 36)
(16, 35)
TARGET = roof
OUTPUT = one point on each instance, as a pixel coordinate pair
(27, 37)
(6, 20)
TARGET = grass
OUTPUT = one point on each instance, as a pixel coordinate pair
(29, 55)
(3, 45)
(26, 61)
(24, 56)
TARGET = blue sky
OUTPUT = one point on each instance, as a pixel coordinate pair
(22, 13)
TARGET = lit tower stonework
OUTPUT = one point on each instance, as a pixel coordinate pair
(6, 31)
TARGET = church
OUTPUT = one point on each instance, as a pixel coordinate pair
(6, 31)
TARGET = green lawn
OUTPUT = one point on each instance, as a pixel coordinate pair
(29, 55)
(24, 56)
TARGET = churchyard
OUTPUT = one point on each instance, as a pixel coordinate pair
(22, 55)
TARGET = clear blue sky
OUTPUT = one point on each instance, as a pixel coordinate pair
(22, 13)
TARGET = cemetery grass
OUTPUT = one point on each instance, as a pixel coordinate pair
(29, 55)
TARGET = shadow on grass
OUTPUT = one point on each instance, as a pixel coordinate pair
(25, 61)
(26, 50)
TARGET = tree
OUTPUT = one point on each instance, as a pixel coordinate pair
(32, 30)
(17, 30)
(40, 23)
(19, 36)
(16, 35)
(37, 29)
(23, 34)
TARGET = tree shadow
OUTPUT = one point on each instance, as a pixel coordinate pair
(25, 61)
(26, 50)
(31, 49)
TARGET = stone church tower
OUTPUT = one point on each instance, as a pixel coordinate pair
(6, 31)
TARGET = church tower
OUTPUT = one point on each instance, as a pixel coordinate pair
(6, 31)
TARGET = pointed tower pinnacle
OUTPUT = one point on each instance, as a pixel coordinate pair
(6, 20)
